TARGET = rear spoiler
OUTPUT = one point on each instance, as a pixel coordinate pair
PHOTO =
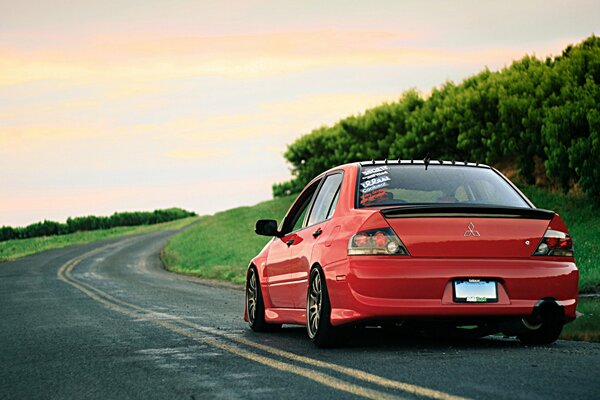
(460, 210)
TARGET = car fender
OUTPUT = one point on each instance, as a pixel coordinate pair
(260, 262)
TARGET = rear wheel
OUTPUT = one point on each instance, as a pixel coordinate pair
(318, 311)
(255, 306)
(537, 331)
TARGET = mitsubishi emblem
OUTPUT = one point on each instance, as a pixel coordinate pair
(471, 230)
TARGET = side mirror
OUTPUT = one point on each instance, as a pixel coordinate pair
(266, 227)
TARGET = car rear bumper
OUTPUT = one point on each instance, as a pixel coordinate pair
(379, 287)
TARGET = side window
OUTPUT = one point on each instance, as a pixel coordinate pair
(326, 199)
(301, 215)
(334, 203)
(296, 217)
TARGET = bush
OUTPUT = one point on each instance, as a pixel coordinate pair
(91, 223)
(534, 109)
(46, 228)
(7, 233)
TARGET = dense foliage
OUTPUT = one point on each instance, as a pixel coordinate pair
(91, 222)
(547, 110)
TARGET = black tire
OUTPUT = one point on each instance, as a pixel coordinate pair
(544, 332)
(318, 311)
(255, 306)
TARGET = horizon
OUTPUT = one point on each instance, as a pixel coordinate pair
(104, 109)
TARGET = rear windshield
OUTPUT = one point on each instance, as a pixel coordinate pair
(383, 185)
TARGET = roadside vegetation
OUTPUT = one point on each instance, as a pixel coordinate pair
(92, 223)
(17, 248)
(586, 327)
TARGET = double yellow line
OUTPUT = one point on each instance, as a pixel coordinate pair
(222, 341)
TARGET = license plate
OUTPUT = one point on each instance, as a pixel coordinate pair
(475, 291)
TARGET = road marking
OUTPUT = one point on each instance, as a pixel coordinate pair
(324, 379)
(64, 274)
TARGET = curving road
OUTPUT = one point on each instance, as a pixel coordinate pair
(105, 321)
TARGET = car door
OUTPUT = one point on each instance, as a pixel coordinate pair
(315, 228)
(279, 271)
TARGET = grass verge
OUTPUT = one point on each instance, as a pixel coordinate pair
(586, 327)
(221, 246)
(13, 249)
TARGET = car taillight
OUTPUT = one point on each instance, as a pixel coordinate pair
(376, 242)
(555, 243)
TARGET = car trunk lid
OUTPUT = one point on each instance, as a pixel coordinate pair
(458, 231)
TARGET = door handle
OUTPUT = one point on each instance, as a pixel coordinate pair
(290, 242)
(317, 232)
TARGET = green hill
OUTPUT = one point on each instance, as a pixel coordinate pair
(221, 246)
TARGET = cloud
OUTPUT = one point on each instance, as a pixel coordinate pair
(276, 123)
(344, 103)
(151, 59)
(199, 154)
(188, 138)
(41, 138)
(56, 153)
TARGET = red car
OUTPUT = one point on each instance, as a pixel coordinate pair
(377, 242)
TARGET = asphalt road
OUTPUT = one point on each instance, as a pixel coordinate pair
(105, 321)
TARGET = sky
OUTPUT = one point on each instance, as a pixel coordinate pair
(141, 104)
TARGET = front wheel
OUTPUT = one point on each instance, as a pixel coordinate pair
(318, 311)
(255, 306)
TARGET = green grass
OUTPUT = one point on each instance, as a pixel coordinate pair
(583, 220)
(586, 327)
(221, 246)
(13, 249)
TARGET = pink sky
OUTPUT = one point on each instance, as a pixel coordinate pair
(111, 106)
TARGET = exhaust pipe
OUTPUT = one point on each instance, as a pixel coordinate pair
(546, 310)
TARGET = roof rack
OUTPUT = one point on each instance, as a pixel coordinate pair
(423, 162)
